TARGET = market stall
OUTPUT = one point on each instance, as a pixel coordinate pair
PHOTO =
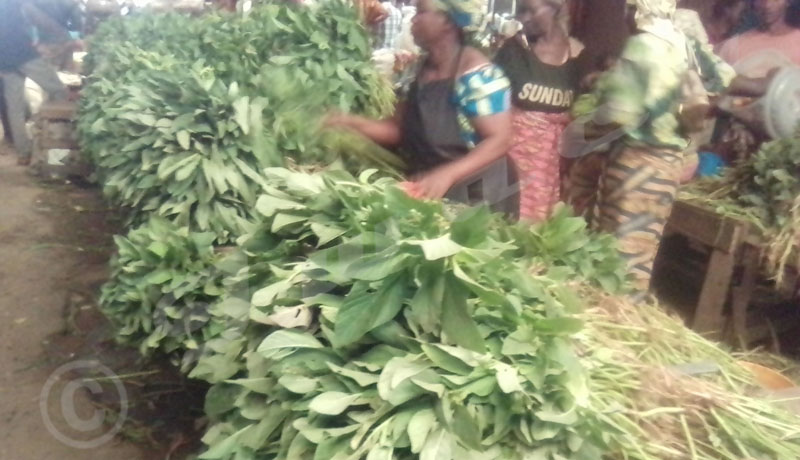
(335, 317)
(733, 243)
(746, 220)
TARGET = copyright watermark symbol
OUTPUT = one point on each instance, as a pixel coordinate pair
(59, 400)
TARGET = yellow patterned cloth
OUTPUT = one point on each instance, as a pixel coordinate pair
(469, 15)
(637, 190)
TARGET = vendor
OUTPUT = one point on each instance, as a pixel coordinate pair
(454, 126)
(545, 72)
(757, 53)
(779, 32)
(19, 59)
(638, 112)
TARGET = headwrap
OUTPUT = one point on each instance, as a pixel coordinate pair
(655, 17)
(468, 15)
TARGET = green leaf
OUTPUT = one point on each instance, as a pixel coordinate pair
(363, 379)
(426, 305)
(318, 435)
(225, 448)
(298, 384)
(395, 384)
(521, 342)
(465, 428)
(507, 378)
(183, 139)
(438, 248)
(259, 385)
(325, 233)
(220, 399)
(257, 435)
(333, 448)
(469, 228)
(381, 453)
(337, 260)
(287, 338)
(378, 266)
(569, 417)
(159, 277)
(362, 313)
(457, 323)
(445, 360)
(438, 446)
(333, 402)
(158, 248)
(241, 113)
(420, 426)
(268, 206)
(489, 296)
(481, 387)
(282, 220)
(559, 326)
(265, 296)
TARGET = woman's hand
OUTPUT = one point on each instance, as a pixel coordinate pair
(337, 120)
(383, 132)
(432, 185)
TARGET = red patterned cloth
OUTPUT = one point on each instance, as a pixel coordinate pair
(535, 153)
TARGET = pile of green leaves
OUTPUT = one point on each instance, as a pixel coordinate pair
(163, 280)
(366, 324)
(147, 32)
(353, 322)
(770, 181)
(180, 115)
(765, 191)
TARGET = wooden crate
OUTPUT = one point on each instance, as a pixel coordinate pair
(56, 151)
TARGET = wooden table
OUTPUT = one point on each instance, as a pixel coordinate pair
(733, 243)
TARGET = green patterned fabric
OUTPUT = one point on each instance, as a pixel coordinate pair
(717, 74)
(642, 93)
(469, 15)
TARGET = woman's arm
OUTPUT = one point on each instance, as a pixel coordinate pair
(386, 133)
(42, 20)
(495, 132)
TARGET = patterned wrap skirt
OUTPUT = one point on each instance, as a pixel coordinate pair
(535, 154)
(637, 190)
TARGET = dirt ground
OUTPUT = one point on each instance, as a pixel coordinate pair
(55, 241)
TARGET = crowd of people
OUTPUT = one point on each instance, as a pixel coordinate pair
(541, 123)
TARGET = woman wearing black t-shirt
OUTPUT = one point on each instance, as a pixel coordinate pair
(543, 63)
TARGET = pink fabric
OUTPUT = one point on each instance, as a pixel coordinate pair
(535, 153)
(740, 47)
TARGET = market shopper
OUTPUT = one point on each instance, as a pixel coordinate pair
(454, 125)
(542, 62)
(18, 60)
(638, 110)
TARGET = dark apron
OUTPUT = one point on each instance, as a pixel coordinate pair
(432, 137)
